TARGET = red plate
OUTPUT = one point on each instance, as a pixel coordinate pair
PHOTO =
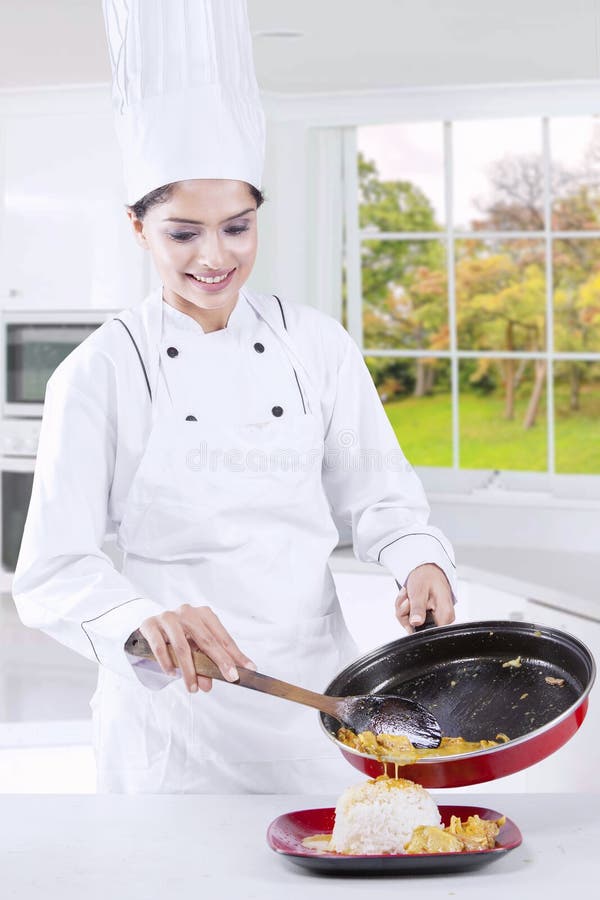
(285, 835)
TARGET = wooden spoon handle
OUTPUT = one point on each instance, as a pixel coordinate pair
(202, 663)
(277, 688)
(256, 681)
(139, 646)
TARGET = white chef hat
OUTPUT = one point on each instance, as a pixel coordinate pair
(185, 94)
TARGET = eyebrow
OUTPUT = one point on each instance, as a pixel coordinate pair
(196, 222)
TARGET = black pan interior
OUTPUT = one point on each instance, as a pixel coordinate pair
(457, 672)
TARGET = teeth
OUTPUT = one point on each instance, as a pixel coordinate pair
(214, 280)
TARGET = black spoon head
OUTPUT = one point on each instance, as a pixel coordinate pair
(393, 715)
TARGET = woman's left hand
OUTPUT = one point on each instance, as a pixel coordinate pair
(427, 588)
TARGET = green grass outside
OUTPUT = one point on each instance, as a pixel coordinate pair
(489, 441)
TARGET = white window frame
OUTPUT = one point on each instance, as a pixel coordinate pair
(447, 105)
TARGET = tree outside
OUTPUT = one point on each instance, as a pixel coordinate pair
(501, 306)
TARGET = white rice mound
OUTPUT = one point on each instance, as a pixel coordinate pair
(379, 816)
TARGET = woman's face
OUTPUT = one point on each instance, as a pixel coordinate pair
(202, 241)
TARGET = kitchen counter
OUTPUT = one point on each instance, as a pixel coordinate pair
(151, 846)
(554, 578)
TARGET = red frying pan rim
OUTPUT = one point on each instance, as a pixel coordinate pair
(525, 738)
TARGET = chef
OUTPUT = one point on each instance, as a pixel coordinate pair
(224, 436)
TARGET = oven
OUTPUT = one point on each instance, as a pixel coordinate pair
(16, 480)
(32, 344)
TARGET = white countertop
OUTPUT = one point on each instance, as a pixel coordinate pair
(559, 580)
(150, 846)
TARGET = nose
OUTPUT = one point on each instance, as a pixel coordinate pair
(211, 252)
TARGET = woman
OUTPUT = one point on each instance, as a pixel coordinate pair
(223, 435)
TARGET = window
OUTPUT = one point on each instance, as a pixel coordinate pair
(473, 287)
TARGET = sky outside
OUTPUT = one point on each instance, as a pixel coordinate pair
(414, 152)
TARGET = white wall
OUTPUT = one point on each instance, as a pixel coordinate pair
(290, 239)
(281, 265)
(64, 234)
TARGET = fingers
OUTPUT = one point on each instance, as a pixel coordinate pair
(427, 588)
(151, 630)
(164, 632)
(420, 602)
(403, 609)
(212, 639)
(444, 611)
(175, 633)
(440, 594)
(227, 642)
(191, 628)
(403, 618)
(205, 684)
(411, 610)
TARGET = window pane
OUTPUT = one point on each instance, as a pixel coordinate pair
(405, 295)
(502, 414)
(577, 295)
(417, 399)
(498, 175)
(401, 176)
(500, 295)
(575, 160)
(577, 416)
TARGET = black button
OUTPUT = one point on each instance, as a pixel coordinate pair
(172, 351)
(277, 411)
(191, 419)
(259, 348)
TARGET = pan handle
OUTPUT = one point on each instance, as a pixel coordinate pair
(428, 623)
(429, 620)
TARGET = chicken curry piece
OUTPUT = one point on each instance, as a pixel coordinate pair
(458, 836)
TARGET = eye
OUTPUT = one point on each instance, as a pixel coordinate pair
(182, 235)
(236, 229)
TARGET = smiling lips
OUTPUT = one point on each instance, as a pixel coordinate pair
(212, 282)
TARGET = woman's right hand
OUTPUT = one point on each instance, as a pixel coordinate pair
(189, 628)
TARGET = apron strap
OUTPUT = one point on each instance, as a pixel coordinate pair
(137, 350)
(295, 373)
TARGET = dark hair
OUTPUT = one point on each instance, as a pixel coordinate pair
(164, 193)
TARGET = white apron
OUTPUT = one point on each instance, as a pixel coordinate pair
(250, 538)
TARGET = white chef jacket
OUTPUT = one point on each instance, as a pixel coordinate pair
(97, 416)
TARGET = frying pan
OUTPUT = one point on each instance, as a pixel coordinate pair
(457, 673)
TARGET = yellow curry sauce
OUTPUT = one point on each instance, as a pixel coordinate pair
(458, 837)
(398, 749)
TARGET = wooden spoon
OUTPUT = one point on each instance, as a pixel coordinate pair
(379, 713)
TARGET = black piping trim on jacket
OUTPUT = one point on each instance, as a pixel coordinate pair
(87, 621)
(416, 534)
(295, 373)
(300, 390)
(281, 311)
(138, 353)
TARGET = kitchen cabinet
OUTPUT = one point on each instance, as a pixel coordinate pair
(65, 239)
